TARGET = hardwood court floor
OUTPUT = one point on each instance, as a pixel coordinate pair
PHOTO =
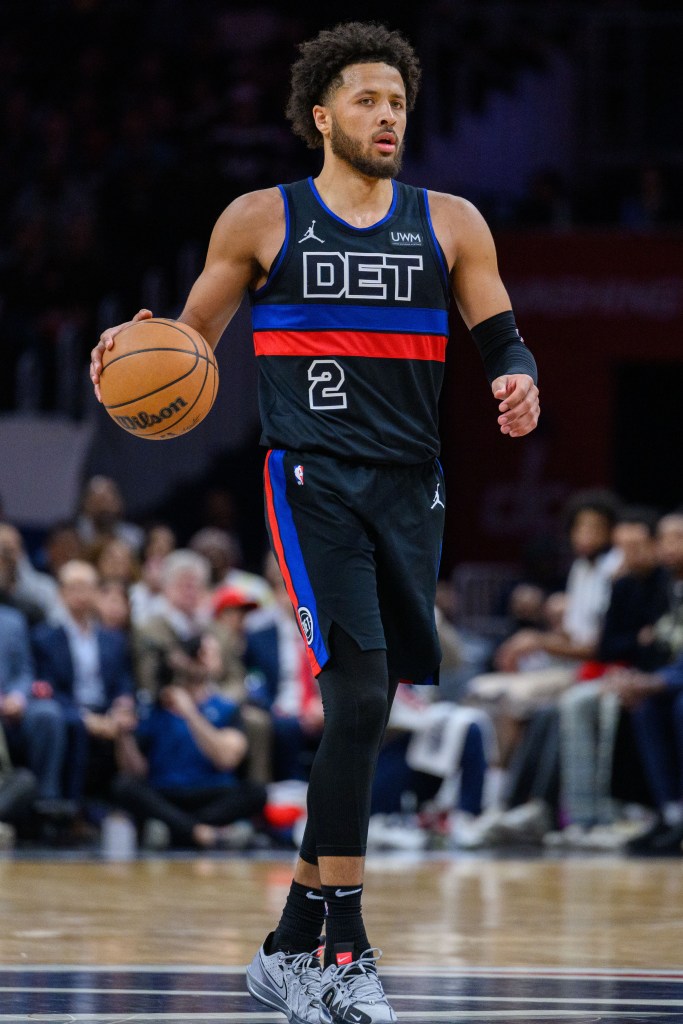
(459, 911)
(547, 937)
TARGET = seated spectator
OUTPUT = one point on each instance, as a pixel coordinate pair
(102, 512)
(113, 605)
(88, 670)
(146, 596)
(223, 551)
(562, 771)
(590, 521)
(33, 592)
(180, 765)
(62, 544)
(249, 672)
(655, 703)
(31, 721)
(115, 559)
(535, 665)
(590, 718)
(182, 613)
(18, 790)
(435, 757)
(295, 704)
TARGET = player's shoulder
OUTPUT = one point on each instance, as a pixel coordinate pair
(459, 226)
(447, 205)
(254, 209)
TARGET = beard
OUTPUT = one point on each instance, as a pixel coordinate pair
(346, 148)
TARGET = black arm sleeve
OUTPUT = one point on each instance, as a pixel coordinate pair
(501, 347)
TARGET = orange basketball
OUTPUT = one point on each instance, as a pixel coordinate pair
(159, 380)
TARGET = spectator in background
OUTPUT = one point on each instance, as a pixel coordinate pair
(182, 614)
(655, 703)
(590, 715)
(224, 552)
(62, 543)
(34, 592)
(102, 514)
(18, 790)
(536, 665)
(249, 672)
(591, 517)
(31, 721)
(115, 559)
(296, 706)
(113, 605)
(89, 672)
(146, 596)
(661, 642)
(180, 766)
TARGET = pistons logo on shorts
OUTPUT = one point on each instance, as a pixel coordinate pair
(306, 623)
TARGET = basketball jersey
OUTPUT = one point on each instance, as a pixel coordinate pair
(350, 331)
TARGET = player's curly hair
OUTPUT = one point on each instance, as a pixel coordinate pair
(323, 58)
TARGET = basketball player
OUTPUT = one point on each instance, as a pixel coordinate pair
(350, 276)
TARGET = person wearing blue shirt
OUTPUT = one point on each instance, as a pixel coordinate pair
(181, 761)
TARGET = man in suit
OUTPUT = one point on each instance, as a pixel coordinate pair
(88, 669)
(31, 722)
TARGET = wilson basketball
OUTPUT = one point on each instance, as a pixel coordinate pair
(159, 380)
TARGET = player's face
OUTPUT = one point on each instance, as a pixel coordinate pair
(366, 119)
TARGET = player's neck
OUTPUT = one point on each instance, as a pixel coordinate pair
(356, 198)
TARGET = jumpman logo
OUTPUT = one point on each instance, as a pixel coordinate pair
(310, 233)
(437, 498)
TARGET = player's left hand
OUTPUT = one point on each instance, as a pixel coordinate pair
(519, 407)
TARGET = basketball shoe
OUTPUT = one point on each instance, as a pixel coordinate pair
(351, 992)
(289, 982)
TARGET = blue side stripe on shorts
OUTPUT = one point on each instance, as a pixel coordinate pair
(292, 549)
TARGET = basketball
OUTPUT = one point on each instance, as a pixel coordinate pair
(159, 380)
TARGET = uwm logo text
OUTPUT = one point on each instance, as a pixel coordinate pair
(142, 420)
(359, 275)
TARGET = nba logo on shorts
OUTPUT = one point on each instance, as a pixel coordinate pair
(306, 623)
(299, 474)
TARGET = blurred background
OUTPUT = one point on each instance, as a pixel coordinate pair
(127, 127)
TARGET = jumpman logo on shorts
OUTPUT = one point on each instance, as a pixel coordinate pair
(437, 498)
(310, 233)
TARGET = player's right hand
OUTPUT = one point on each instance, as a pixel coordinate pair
(107, 341)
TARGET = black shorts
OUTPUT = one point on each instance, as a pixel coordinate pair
(360, 545)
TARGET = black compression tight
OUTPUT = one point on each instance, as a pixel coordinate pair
(357, 696)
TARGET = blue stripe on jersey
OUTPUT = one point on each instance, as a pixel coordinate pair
(315, 317)
(292, 549)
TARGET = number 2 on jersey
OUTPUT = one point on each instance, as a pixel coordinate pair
(327, 377)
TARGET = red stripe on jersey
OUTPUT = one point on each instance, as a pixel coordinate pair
(368, 344)
(280, 555)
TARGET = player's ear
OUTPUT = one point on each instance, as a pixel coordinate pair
(321, 116)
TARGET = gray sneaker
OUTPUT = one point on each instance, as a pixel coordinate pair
(289, 982)
(353, 993)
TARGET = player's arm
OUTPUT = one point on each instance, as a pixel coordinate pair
(485, 307)
(243, 243)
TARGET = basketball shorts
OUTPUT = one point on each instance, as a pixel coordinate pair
(359, 545)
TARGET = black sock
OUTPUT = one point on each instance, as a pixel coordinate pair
(344, 928)
(302, 920)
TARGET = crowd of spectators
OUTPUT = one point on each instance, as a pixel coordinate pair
(168, 681)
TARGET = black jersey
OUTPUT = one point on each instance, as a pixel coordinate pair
(350, 332)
